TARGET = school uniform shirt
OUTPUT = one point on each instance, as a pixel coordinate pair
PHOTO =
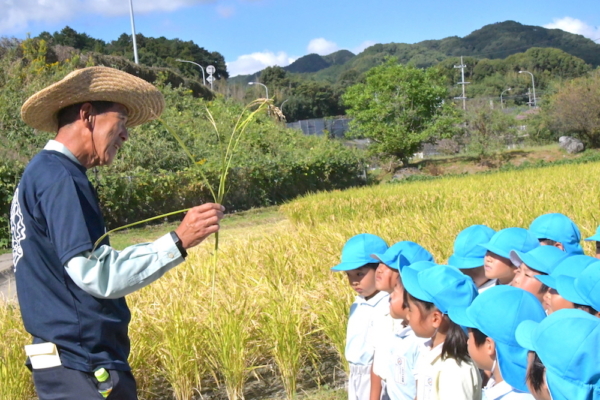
(502, 390)
(404, 353)
(383, 331)
(359, 334)
(487, 285)
(445, 379)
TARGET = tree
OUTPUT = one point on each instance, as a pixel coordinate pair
(488, 129)
(575, 109)
(399, 108)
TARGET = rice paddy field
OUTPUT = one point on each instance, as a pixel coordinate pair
(276, 326)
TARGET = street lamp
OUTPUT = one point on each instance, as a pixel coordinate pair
(533, 85)
(281, 106)
(202, 69)
(258, 83)
(505, 90)
(135, 55)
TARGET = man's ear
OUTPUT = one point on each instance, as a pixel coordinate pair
(86, 115)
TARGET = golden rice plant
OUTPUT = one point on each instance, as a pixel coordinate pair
(15, 380)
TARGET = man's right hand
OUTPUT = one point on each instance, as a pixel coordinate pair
(199, 223)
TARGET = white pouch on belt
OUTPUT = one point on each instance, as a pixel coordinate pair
(43, 355)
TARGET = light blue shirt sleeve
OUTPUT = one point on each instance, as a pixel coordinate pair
(110, 274)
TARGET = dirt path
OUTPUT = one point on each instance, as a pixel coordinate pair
(7, 278)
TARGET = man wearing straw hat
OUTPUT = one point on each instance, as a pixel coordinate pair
(71, 294)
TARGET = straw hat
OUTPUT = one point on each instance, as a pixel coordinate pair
(143, 101)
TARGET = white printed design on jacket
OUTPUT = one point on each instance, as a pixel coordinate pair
(17, 228)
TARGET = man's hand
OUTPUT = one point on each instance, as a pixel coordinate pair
(199, 223)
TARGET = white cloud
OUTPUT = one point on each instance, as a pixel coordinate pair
(577, 26)
(322, 47)
(16, 14)
(361, 47)
(251, 63)
(225, 11)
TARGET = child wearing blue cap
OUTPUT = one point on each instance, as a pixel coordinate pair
(445, 369)
(386, 278)
(405, 347)
(582, 291)
(360, 267)
(497, 262)
(570, 267)
(566, 344)
(540, 261)
(557, 230)
(596, 238)
(492, 319)
(469, 255)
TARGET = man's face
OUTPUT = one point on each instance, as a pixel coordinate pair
(108, 134)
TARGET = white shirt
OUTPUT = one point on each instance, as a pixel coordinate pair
(108, 273)
(403, 358)
(502, 390)
(383, 331)
(445, 379)
(487, 285)
(359, 341)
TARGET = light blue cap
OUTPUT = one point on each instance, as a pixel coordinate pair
(567, 343)
(596, 235)
(467, 252)
(511, 239)
(587, 285)
(403, 253)
(560, 228)
(442, 285)
(542, 259)
(570, 266)
(497, 312)
(357, 251)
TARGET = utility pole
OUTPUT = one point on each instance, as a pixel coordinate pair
(135, 53)
(462, 67)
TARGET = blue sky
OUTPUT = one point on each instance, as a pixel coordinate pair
(253, 34)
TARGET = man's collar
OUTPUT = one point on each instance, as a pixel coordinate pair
(53, 145)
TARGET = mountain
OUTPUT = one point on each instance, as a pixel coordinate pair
(494, 41)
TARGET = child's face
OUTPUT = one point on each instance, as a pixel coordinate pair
(397, 309)
(362, 281)
(597, 250)
(543, 393)
(483, 356)
(554, 302)
(422, 324)
(525, 279)
(498, 267)
(385, 278)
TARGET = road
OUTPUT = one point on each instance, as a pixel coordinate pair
(7, 278)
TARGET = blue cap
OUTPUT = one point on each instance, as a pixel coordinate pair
(497, 312)
(570, 266)
(587, 285)
(403, 253)
(511, 239)
(542, 259)
(596, 235)
(357, 251)
(567, 343)
(467, 252)
(442, 285)
(560, 228)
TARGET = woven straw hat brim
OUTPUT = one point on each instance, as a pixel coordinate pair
(143, 101)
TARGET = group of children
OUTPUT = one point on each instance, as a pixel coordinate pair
(513, 315)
